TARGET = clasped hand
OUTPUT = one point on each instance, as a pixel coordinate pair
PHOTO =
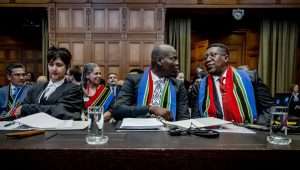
(160, 112)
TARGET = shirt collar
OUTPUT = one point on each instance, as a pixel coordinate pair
(216, 78)
(56, 84)
(156, 78)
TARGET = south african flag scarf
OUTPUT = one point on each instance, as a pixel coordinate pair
(145, 93)
(13, 100)
(102, 97)
(239, 101)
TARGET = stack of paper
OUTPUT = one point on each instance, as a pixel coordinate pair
(141, 123)
(197, 123)
(44, 121)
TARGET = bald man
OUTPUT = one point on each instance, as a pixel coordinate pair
(156, 92)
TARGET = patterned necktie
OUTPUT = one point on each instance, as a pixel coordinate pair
(157, 92)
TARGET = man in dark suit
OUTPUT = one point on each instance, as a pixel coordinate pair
(229, 93)
(12, 95)
(58, 97)
(154, 92)
(112, 82)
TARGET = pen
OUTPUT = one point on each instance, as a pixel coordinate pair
(51, 136)
(9, 124)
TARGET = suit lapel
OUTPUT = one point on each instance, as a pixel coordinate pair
(40, 90)
(57, 93)
(6, 94)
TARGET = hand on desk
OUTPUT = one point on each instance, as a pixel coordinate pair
(159, 111)
(107, 116)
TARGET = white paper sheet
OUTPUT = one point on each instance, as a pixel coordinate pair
(43, 121)
(141, 123)
(40, 120)
(231, 128)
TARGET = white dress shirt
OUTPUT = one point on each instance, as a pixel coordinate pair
(217, 84)
(51, 87)
(162, 81)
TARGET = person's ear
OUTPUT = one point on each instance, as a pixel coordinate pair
(159, 61)
(8, 77)
(226, 58)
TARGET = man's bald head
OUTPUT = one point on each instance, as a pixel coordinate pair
(164, 61)
(161, 51)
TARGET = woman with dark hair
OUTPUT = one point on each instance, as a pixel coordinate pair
(95, 93)
(57, 97)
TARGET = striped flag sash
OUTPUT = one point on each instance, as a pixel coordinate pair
(102, 97)
(145, 93)
(243, 95)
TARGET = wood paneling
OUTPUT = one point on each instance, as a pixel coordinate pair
(107, 1)
(99, 20)
(147, 49)
(113, 69)
(181, 1)
(257, 1)
(63, 19)
(135, 20)
(78, 53)
(290, 1)
(114, 20)
(141, 20)
(64, 45)
(70, 1)
(219, 1)
(99, 52)
(78, 18)
(149, 17)
(32, 1)
(134, 53)
(114, 52)
(142, 1)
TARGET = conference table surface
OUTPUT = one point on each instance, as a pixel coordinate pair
(146, 150)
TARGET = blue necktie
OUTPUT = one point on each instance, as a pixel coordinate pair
(15, 92)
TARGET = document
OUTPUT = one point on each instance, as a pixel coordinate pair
(197, 123)
(141, 124)
(42, 121)
(231, 128)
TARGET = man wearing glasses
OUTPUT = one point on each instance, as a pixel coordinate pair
(14, 93)
(229, 93)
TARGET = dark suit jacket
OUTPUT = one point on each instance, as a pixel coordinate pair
(263, 99)
(4, 98)
(65, 102)
(292, 104)
(125, 105)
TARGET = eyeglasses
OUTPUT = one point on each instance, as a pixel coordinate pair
(19, 74)
(207, 133)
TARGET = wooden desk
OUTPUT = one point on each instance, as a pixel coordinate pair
(146, 150)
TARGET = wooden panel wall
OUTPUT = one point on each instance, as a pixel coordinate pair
(243, 47)
(117, 37)
(181, 2)
(120, 34)
(13, 51)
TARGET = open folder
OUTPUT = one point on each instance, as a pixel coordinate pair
(42, 121)
(154, 123)
(197, 123)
